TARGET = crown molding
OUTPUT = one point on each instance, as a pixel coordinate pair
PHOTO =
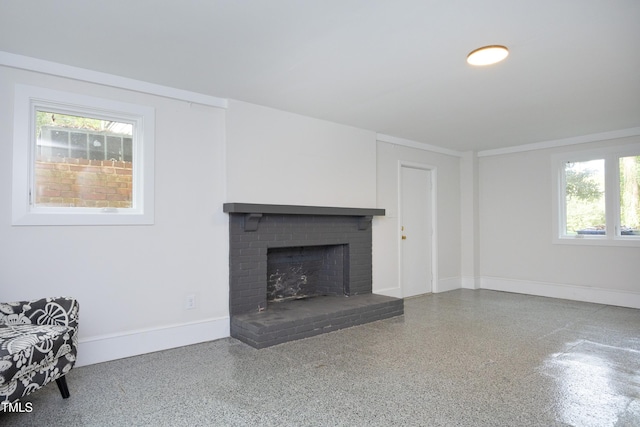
(97, 77)
(582, 139)
(419, 145)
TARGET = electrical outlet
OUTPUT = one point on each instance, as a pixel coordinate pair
(190, 302)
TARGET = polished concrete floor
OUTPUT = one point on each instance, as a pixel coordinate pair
(460, 358)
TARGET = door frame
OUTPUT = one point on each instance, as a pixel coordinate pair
(434, 220)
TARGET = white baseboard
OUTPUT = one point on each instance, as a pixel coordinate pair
(132, 343)
(442, 285)
(448, 284)
(390, 292)
(563, 291)
(469, 282)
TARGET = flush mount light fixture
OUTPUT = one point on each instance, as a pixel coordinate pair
(487, 55)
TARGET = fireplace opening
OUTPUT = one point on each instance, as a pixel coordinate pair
(306, 271)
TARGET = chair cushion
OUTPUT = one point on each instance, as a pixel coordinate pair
(25, 348)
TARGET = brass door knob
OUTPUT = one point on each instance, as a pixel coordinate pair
(404, 237)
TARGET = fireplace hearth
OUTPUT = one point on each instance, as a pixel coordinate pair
(298, 271)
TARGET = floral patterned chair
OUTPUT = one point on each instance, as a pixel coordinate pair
(38, 344)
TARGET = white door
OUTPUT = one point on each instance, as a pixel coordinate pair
(415, 223)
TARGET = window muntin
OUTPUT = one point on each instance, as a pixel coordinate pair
(597, 197)
(80, 160)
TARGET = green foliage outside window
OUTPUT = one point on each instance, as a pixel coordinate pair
(630, 193)
(585, 202)
(45, 118)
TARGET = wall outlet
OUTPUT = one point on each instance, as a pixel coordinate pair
(190, 302)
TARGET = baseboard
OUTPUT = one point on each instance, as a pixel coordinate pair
(557, 290)
(132, 343)
(448, 284)
(442, 285)
(390, 292)
(469, 282)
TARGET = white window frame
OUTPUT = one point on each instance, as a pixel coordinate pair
(28, 99)
(611, 156)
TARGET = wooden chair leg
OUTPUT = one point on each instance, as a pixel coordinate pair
(62, 386)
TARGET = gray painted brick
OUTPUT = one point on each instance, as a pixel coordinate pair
(248, 266)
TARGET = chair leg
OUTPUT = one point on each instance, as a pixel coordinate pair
(62, 386)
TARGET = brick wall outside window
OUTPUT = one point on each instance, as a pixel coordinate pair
(70, 182)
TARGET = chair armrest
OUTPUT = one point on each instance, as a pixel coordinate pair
(43, 311)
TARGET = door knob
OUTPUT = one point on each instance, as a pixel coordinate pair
(404, 237)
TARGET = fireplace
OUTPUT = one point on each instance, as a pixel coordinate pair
(298, 271)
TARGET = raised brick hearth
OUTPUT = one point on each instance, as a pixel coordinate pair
(331, 253)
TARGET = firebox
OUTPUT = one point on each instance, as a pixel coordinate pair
(305, 272)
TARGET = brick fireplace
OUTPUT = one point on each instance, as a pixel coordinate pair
(299, 271)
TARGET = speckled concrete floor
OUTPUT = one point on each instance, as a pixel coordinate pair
(460, 358)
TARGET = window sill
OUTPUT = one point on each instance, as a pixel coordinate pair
(598, 240)
(93, 217)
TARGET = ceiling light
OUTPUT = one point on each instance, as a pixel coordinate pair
(487, 55)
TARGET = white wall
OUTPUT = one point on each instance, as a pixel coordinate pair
(275, 157)
(386, 230)
(469, 230)
(516, 249)
(131, 281)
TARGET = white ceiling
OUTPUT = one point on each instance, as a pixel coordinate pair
(396, 67)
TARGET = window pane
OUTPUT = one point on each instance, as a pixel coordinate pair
(630, 195)
(78, 145)
(114, 148)
(96, 147)
(585, 202)
(59, 143)
(127, 149)
(79, 162)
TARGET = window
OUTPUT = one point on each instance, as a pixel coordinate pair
(80, 160)
(598, 197)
